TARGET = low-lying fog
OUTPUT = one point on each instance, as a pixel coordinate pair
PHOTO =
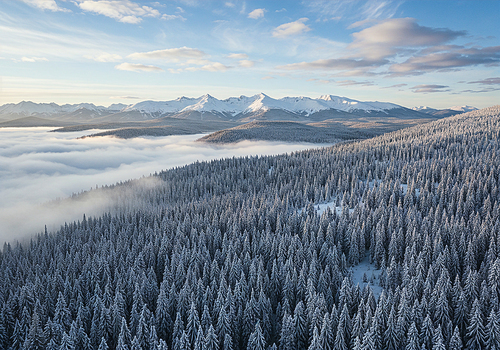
(37, 166)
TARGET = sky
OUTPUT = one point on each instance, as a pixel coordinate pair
(413, 53)
(38, 166)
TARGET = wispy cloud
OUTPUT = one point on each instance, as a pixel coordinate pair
(246, 63)
(395, 86)
(487, 81)
(425, 88)
(444, 61)
(257, 13)
(292, 28)
(137, 67)
(33, 59)
(238, 56)
(125, 97)
(124, 11)
(174, 55)
(50, 5)
(388, 37)
(104, 57)
(353, 9)
(212, 67)
(402, 47)
(354, 82)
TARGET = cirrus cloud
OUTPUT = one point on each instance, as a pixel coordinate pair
(124, 11)
(50, 5)
(136, 67)
(292, 28)
(174, 55)
(104, 57)
(426, 88)
(33, 59)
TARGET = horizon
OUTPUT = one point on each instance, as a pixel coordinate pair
(227, 98)
(411, 53)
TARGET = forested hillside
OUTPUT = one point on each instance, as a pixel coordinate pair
(231, 254)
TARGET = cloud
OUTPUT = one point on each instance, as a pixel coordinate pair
(401, 47)
(104, 57)
(33, 59)
(268, 77)
(124, 11)
(488, 81)
(335, 64)
(238, 56)
(246, 63)
(125, 97)
(257, 13)
(360, 10)
(430, 88)
(395, 86)
(212, 67)
(136, 67)
(50, 5)
(282, 10)
(388, 37)
(444, 61)
(37, 166)
(292, 28)
(174, 55)
(172, 17)
(354, 82)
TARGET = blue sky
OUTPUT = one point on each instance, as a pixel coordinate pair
(434, 53)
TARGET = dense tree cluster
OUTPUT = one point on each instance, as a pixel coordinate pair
(231, 254)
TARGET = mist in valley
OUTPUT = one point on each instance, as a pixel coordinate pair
(37, 167)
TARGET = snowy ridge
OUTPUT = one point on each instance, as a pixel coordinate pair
(207, 103)
(260, 102)
(30, 108)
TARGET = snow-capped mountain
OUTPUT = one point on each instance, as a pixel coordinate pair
(444, 112)
(243, 109)
(463, 109)
(261, 102)
(28, 108)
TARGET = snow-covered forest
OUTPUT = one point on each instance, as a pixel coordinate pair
(231, 254)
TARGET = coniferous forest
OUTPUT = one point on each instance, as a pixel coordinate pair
(232, 254)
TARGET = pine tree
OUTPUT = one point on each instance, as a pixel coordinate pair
(391, 334)
(455, 341)
(413, 339)
(66, 342)
(315, 341)
(228, 343)
(124, 337)
(438, 341)
(103, 345)
(256, 340)
(300, 323)
(211, 341)
(475, 330)
(493, 331)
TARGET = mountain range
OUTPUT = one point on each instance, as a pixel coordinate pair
(234, 108)
(325, 118)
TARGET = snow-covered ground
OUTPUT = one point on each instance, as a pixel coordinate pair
(366, 270)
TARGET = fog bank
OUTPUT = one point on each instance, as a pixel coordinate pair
(37, 166)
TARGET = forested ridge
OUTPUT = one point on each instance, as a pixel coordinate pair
(231, 254)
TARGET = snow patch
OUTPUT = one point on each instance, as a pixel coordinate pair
(367, 270)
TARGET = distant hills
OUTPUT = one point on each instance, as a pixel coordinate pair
(347, 118)
(445, 112)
